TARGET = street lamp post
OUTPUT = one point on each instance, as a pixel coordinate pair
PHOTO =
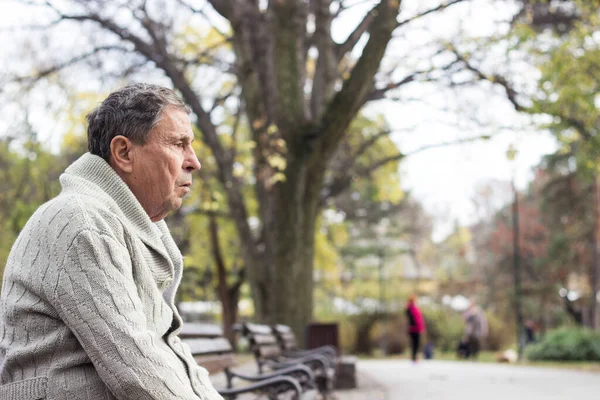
(594, 323)
(517, 274)
(511, 155)
(382, 302)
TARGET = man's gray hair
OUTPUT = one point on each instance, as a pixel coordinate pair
(131, 111)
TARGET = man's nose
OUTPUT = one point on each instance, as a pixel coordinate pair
(191, 162)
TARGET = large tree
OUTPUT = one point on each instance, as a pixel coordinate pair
(277, 68)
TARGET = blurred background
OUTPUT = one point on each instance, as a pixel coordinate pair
(354, 153)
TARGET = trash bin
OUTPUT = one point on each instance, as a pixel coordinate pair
(321, 334)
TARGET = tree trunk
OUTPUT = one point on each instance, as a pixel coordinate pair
(230, 315)
(229, 296)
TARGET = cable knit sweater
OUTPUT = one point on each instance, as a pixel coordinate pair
(87, 306)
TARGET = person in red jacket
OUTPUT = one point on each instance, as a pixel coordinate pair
(416, 325)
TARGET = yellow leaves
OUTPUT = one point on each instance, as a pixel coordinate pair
(258, 123)
(277, 161)
(382, 184)
(272, 129)
(311, 66)
(511, 153)
(191, 41)
(326, 255)
(238, 170)
(275, 178)
(338, 234)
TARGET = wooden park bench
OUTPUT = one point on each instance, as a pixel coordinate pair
(289, 345)
(269, 354)
(213, 351)
(345, 371)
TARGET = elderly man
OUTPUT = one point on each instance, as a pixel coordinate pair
(87, 306)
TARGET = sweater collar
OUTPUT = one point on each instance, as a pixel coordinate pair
(93, 175)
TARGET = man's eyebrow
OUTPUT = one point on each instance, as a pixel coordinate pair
(184, 138)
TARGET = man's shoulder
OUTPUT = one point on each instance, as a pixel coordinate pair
(69, 214)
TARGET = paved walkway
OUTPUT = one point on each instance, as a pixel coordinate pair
(447, 380)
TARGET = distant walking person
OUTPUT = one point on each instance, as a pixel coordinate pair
(476, 329)
(416, 325)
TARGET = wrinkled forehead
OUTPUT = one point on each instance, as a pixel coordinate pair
(173, 124)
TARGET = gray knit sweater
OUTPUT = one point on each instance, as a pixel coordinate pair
(87, 305)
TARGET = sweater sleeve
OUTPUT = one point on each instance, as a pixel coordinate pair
(95, 295)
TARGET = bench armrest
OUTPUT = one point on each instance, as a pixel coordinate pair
(294, 370)
(278, 384)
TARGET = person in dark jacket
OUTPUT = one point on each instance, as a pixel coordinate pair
(416, 325)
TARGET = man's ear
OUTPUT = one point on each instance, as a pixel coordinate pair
(121, 153)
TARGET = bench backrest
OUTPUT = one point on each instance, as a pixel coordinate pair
(208, 346)
(286, 337)
(200, 330)
(263, 341)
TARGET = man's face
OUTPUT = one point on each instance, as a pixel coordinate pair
(162, 168)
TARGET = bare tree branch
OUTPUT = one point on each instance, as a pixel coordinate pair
(355, 36)
(430, 11)
(221, 99)
(511, 93)
(343, 7)
(55, 68)
(17, 28)
(236, 124)
(350, 98)
(325, 70)
(366, 145)
(379, 94)
(201, 12)
(342, 183)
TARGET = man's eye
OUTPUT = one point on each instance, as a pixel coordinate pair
(181, 144)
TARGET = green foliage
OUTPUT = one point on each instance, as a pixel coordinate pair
(393, 333)
(566, 344)
(500, 333)
(347, 335)
(444, 328)
(28, 178)
(569, 64)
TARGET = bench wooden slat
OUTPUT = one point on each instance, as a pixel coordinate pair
(263, 340)
(258, 329)
(216, 363)
(282, 328)
(290, 345)
(208, 346)
(269, 351)
(195, 329)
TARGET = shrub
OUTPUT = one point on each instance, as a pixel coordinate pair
(500, 333)
(347, 335)
(567, 344)
(395, 334)
(444, 328)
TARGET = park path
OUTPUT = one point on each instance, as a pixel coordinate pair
(447, 380)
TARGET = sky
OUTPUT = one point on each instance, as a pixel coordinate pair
(444, 179)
